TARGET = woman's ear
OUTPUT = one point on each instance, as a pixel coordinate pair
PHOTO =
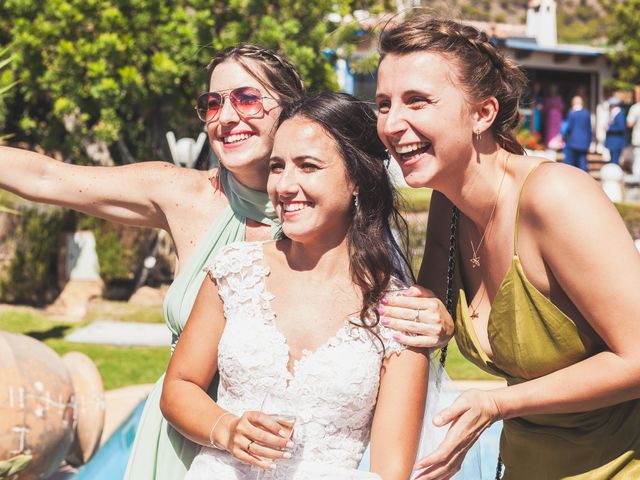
(485, 114)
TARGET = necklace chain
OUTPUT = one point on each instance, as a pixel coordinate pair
(475, 258)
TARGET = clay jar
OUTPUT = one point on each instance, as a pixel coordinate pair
(40, 409)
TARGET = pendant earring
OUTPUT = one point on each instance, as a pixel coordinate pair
(478, 134)
(356, 202)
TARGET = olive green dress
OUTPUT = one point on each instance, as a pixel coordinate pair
(159, 452)
(530, 337)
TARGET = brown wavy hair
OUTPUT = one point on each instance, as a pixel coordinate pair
(377, 236)
(481, 70)
(276, 73)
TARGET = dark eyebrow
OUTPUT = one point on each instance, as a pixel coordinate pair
(302, 158)
(406, 93)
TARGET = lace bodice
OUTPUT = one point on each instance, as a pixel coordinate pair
(332, 390)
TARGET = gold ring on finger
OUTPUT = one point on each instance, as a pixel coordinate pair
(249, 445)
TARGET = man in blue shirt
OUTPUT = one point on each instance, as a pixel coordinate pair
(578, 136)
(616, 138)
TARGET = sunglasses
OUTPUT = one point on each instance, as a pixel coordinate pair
(246, 101)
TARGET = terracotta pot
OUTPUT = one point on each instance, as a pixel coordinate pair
(38, 414)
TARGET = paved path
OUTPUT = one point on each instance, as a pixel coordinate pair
(122, 333)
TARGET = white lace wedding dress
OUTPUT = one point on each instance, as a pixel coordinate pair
(332, 389)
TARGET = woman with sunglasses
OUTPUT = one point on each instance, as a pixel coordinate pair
(202, 211)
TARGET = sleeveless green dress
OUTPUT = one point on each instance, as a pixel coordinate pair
(530, 337)
(159, 452)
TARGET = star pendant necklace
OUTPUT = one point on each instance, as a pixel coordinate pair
(475, 258)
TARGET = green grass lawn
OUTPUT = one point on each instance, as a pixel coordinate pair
(118, 366)
(459, 368)
(122, 366)
(124, 312)
(415, 199)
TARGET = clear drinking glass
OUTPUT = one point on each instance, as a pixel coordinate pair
(276, 405)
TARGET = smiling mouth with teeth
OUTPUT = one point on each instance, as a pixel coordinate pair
(294, 206)
(411, 149)
(235, 138)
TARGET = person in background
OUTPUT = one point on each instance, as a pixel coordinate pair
(616, 138)
(601, 123)
(553, 108)
(633, 122)
(578, 134)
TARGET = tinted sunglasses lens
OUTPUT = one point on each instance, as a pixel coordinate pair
(246, 100)
(208, 105)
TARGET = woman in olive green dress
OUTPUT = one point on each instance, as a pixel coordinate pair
(546, 276)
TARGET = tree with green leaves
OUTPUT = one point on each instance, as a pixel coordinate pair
(625, 36)
(103, 80)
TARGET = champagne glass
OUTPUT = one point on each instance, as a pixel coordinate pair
(275, 405)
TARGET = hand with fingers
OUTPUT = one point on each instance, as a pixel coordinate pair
(469, 415)
(420, 318)
(255, 438)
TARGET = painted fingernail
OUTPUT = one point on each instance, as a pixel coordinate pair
(286, 455)
(384, 301)
(396, 337)
(289, 444)
(380, 309)
(384, 321)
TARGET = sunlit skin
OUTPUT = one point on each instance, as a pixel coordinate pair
(308, 183)
(428, 111)
(247, 158)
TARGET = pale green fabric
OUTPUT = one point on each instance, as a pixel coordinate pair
(160, 452)
(531, 337)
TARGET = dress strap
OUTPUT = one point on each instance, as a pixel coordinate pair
(516, 225)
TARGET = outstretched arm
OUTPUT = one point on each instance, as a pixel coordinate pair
(141, 194)
(397, 421)
(186, 404)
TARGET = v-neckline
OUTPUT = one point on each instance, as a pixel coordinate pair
(292, 364)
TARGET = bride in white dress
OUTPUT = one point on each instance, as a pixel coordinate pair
(297, 319)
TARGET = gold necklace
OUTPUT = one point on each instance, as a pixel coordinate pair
(474, 310)
(475, 258)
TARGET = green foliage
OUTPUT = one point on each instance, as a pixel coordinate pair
(582, 23)
(630, 214)
(625, 35)
(31, 273)
(6, 84)
(123, 72)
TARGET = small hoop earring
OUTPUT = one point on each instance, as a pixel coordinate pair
(356, 201)
(478, 135)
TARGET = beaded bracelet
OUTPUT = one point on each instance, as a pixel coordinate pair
(213, 429)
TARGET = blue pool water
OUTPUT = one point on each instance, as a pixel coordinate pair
(110, 462)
